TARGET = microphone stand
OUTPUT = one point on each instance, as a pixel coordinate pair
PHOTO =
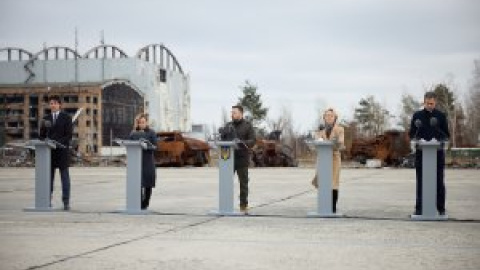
(149, 145)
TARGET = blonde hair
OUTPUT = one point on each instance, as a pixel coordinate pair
(137, 119)
(332, 110)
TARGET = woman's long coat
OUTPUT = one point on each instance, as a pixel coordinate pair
(338, 135)
(148, 162)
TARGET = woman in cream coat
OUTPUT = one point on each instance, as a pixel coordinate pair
(335, 133)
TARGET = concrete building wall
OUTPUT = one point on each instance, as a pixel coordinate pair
(22, 109)
(171, 114)
(165, 92)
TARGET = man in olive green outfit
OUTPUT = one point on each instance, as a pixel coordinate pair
(242, 132)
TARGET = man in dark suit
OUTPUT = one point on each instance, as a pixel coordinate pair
(58, 127)
(430, 123)
(241, 131)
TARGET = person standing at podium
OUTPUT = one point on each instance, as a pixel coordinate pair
(142, 131)
(241, 131)
(333, 132)
(427, 124)
(58, 126)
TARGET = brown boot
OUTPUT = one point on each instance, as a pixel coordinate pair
(244, 209)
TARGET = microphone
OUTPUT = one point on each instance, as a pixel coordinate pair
(434, 123)
(418, 125)
(47, 124)
(148, 144)
(240, 142)
(227, 133)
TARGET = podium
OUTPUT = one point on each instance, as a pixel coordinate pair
(134, 175)
(429, 181)
(324, 167)
(43, 174)
(225, 184)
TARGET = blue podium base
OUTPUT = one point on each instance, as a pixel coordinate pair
(42, 209)
(218, 213)
(429, 218)
(329, 215)
(133, 212)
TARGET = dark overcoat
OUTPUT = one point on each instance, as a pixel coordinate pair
(426, 131)
(61, 132)
(148, 162)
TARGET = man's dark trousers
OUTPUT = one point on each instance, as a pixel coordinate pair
(242, 173)
(65, 177)
(440, 180)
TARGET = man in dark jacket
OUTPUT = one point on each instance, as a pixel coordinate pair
(428, 124)
(242, 132)
(58, 127)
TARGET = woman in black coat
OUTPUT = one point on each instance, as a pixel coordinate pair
(142, 131)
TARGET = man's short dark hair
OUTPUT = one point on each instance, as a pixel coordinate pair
(239, 107)
(56, 98)
(429, 95)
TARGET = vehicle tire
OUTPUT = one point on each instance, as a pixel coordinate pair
(199, 159)
(361, 159)
(181, 161)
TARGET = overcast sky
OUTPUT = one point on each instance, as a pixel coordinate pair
(302, 55)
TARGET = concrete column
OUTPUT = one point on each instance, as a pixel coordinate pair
(26, 117)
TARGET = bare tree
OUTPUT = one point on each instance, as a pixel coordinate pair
(460, 136)
(213, 133)
(283, 122)
(472, 102)
(320, 107)
(224, 117)
(447, 103)
(408, 106)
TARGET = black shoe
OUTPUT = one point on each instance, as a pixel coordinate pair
(334, 200)
(441, 213)
(66, 207)
(417, 213)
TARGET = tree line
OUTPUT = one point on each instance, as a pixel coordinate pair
(371, 118)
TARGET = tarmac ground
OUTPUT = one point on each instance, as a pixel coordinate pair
(178, 233)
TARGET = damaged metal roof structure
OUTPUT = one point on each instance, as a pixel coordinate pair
(108, 85)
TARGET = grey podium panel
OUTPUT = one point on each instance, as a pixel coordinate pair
(429, 181)
(225, 180)
(134, 177)
(324, 179)
(42, 175)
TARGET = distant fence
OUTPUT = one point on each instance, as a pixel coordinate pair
(463, 157)
(15, 157)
